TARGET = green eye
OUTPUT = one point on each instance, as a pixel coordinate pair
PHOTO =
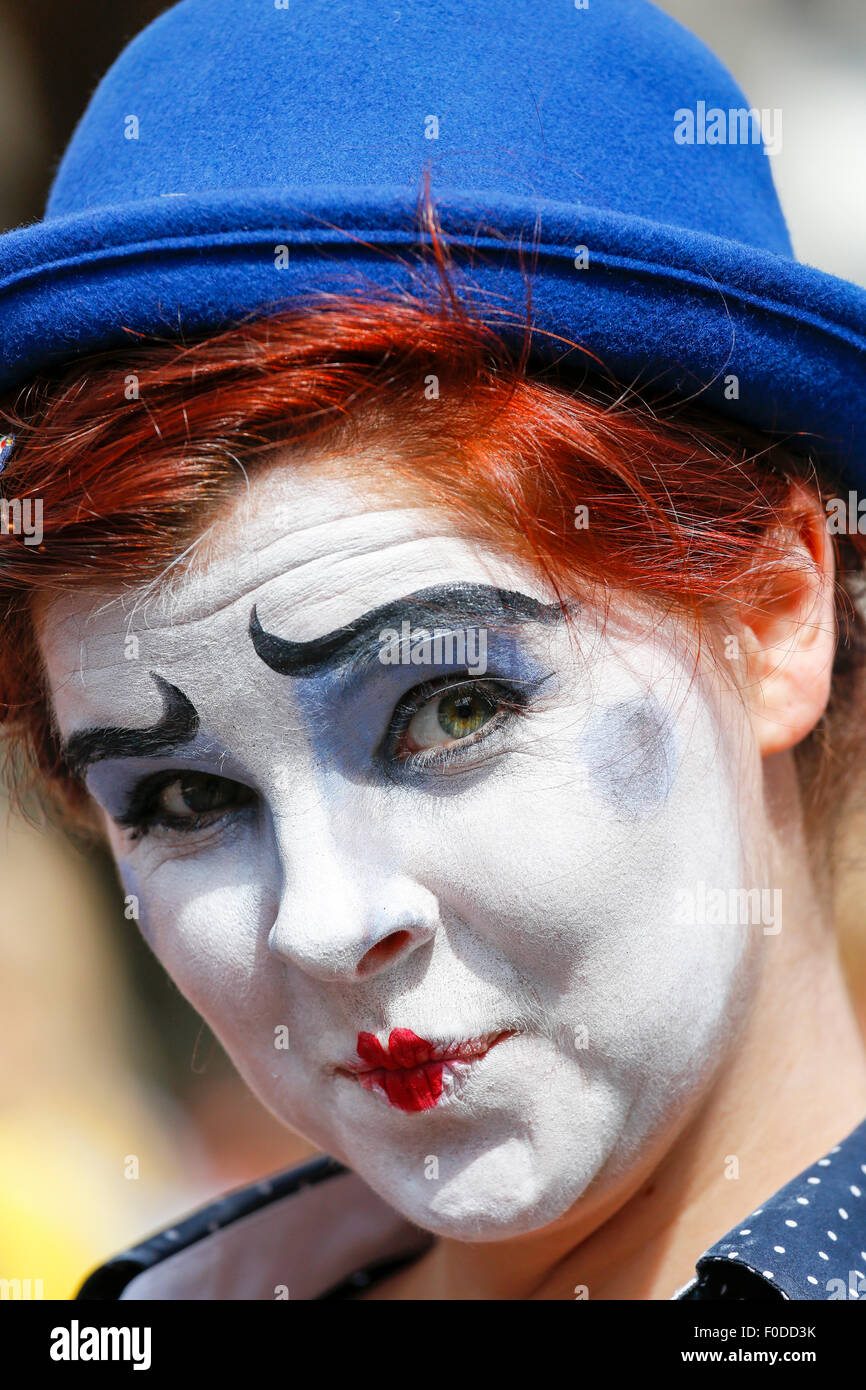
(463, 714)
(447, 718)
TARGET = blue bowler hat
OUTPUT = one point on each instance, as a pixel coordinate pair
(601, 140)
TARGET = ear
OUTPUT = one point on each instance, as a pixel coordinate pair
(790, 633)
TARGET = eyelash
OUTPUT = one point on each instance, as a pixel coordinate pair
(510, 700)
(142, 817)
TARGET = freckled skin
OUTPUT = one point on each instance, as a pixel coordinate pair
(534, 886)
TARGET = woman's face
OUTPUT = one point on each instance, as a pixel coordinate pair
(442, 932)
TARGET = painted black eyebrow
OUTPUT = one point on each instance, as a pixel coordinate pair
(476, 603)
(178, 726)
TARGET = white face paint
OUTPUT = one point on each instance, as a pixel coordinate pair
(527, 887)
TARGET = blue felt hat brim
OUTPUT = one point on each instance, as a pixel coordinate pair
(656, 306)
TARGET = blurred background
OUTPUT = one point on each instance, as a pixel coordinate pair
(118, 1109)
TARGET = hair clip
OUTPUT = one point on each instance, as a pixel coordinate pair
(7, 444)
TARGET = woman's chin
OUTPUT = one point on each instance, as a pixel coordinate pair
(501, 1191)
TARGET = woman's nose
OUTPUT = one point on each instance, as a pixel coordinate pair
(339, 918)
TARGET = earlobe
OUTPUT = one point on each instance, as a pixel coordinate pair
(790, 632)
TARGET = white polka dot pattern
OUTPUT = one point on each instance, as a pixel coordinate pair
(805, 1242)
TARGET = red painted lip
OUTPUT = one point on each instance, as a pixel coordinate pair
(410, 1069)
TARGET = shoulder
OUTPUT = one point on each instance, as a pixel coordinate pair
(302, 1233)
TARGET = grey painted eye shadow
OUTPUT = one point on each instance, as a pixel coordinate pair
(631, 754)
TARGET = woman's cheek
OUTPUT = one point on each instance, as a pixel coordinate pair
(571, 867)
(206, 918)
(534, 862)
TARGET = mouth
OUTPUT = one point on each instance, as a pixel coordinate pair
(412, 1074)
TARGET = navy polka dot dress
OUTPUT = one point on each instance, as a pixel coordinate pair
(806, 1241)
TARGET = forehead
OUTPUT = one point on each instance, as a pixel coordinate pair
(309, 545)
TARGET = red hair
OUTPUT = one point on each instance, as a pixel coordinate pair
(130, 450)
